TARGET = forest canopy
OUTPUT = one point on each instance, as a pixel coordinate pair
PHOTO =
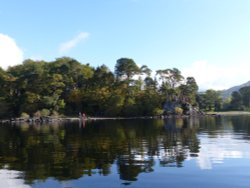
(66, 86)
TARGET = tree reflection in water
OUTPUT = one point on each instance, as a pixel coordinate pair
(70, 151)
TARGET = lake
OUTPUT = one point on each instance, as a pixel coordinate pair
(187, 152)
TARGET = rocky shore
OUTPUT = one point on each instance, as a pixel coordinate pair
(49, 119)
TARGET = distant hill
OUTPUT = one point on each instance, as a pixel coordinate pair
(227, 93)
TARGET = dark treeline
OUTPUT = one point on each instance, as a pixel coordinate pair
(66, 86)
(240, 100)
(211, 100)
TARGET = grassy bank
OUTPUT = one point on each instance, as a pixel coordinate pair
(230, 113)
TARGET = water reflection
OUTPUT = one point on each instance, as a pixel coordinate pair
(179, 141)
(11, 178)
(223, 139)
(69, 151)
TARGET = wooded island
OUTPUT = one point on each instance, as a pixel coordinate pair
(67, 87)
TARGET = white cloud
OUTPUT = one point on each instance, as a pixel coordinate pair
(10, 53)
(218, 77)
(228, 147)
(66, 46)
(11, 179)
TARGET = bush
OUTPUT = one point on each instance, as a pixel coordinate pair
(54, 114)
(24, 115)
(45, 112)
(157, 112)
(37, 114)
(178, 111)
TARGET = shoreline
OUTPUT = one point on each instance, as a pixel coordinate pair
(71, 119)
(229, 113)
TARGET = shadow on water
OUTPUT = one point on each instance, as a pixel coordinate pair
(69, 151)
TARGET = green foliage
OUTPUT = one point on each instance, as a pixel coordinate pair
(189, 90)
(37, 114)
(210, 100)
(171, 77)
(126, 67)
(178, 111)
(55, 114)
(24, 115)
(245, 93)
(236, 101)
(240, 100)
(65, 86)
(157, 111)
(45, 112)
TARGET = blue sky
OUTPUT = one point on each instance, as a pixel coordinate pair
(207, 39)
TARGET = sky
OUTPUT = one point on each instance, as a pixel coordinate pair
(206, 39)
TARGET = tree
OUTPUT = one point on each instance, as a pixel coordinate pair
(75, 77)
(210, 100)
(6, 99)
(236, 101)
(75, 74)
(189, 90)
(150, 83)
(201, 100)
(28, 85)
(172, 77)
(126, 68)
(245, 93)
(68, 86)
(102, 77)
(145, 70)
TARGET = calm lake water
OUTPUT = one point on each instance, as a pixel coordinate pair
(193, 152)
